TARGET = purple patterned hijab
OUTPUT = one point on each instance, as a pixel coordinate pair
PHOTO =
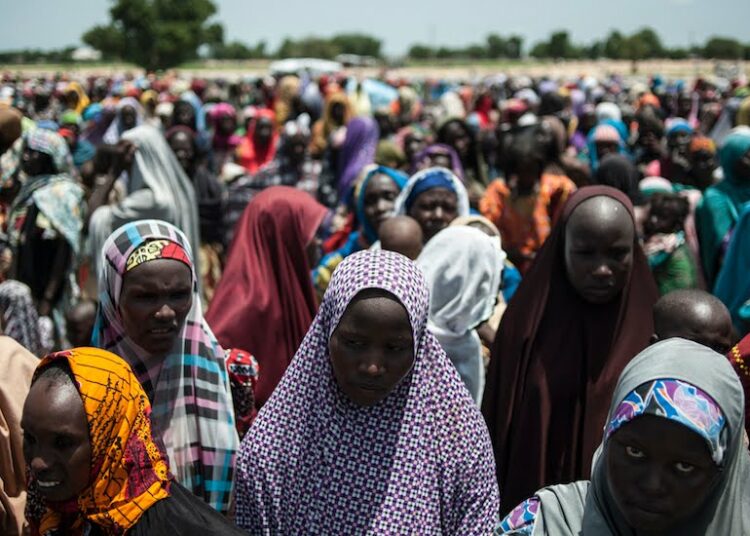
(418, 462)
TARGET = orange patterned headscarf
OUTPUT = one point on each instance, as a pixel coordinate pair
(130, 473)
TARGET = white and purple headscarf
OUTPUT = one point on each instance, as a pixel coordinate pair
(418, 462)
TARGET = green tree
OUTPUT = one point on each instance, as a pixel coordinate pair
(515, 46)
(497, 47)
(723, 48)
(420, 52)
(540, 50)
(363, 45)
(648, 43)
(156, 34)
(613, 46)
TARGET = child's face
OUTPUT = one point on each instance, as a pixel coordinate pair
(662, 218)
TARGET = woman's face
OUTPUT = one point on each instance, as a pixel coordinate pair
(183, 149)
(372, 348)
(379, 199)
(659, 473)
(434, 210)
(56, 439)
(603, 148)
(128, 117)
(457, 137)
(155, 300)
(599, 239)
(263, 131)
(742, 167)
(184, 114)
(413, 143)
(36, 163)
(227, 124)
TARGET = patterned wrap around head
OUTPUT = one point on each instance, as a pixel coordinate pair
(52, 144)
(677, 401)
(418, 461)
(129, 472)
(189, 388)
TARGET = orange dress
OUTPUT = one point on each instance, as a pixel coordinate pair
(525, 222)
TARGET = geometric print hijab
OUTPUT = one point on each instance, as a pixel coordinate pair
(189, 389)
(129, 472)
(417, 462)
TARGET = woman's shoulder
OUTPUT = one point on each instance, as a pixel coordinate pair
(185, 514)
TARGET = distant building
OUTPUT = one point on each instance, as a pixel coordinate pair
(86, 54)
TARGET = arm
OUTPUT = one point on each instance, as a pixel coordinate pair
(57, 276)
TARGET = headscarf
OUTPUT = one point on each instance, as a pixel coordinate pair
(396, 176)
(116, 129)
(265, 300)
(158, 188)
(83, 98)
(695, 387)
(619, 172)
(250, 156)
(419, 461)
(434, 177)
(20, 318)
(718, 212)
(607, 110)
(463, 267)
(16, 369)
(218, 111)
(357, 151)
(10, 125)
(129, 471)
(192, 377)
(608, 131)
(732, 282)
(424, 158)
(540, 406)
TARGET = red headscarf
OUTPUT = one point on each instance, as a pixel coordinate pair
(555, 362)
(248, 155)
(265, 301)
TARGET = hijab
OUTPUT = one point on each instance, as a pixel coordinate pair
(688, 384)
(357, 151)
(398, 178)
(265, 300)
(424, 158)
(129, 471)
(158, 188)
(16, 369)
(417, 462)
(116, 129)
(463, 267)
(201, 444)
(20, 318)
(250, 156)
(83, 98)
(555, 361)
(427, 179)
(732, 283)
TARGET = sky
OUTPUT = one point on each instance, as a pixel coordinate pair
(50, 24)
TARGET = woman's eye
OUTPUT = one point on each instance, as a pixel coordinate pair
(63, 442)
(634, 452)
(684, 467)
(353, 343)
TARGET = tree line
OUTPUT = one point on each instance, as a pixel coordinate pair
(158, 34)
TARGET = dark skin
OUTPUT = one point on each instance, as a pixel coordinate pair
(434, 210)
(56, 439)
(599, 242)
(155, 299)
(694, 315)
(660, 473)
(128, 117)
(379, 199)
(337, 113)
(182, 145)
(457, 137)
(263, 132)
(401, 234)
(441, 160)
(742, 168)
(35, 163)
(184, 114)
(413, 143)
(296, 149)
(121, 159)
(372, 348)
(227, 124)
(603, 148)
(666, 214)
(79, 322)
(702, 166)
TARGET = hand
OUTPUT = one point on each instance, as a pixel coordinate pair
(124, 159)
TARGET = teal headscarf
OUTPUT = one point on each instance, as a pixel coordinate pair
(396, 176)
(722, 203)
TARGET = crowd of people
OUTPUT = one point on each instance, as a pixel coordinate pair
(324, 304)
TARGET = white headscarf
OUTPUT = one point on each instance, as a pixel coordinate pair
(463, 267)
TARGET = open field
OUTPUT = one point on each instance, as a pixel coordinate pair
(434, 69)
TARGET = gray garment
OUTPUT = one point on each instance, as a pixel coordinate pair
(567, 510)
(158, 189)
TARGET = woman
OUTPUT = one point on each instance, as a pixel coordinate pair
(438, 155)
(619, 172)
(580, 314)
(224, 121)
(455, 133)
(336, 115)
(374, 199)
(357, 151)
(371, 430)
(526, 204)
(44, 225)
(16, 369)
(128, 115)
(463, 268)
(76, 98)
(157, 188)
(265, 301)
(18, 316)
(150, 313)
(434, 197)
(722, 203)
(673, 459)
(211, 206)
(260, 142)
(87, 426)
